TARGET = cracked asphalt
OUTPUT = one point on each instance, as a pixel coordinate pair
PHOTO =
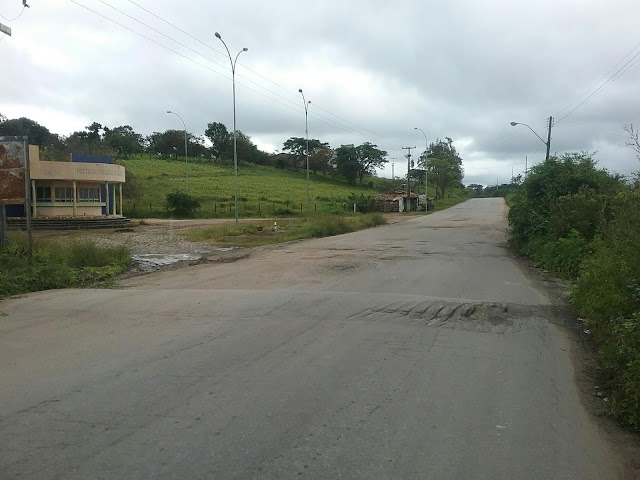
(419, 350)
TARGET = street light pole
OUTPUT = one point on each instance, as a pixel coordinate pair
(548, 142)
(235, 131)
(186, 161)
(426, 154)
(306, 131)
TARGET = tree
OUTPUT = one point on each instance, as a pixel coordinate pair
(321, 160)
(476, 188)
(196, 146)
(93, 131)
(167, 143)
(369, 158)
(444, 166)
(220, 139)
(38, 134)
(124, 140)
(347, 164)
(297, 146)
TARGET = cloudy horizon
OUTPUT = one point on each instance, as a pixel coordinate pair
(372, 70)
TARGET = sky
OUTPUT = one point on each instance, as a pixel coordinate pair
(373, 70)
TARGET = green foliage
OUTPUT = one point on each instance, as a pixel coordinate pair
(580, 221)
(182, 204)
(554, 191)
(38, 134)
(57, 265)
(124, 140)
(263, 233)
(220, 139)
(563, 255)
(212, 183)
(444, 166)
(347, 163)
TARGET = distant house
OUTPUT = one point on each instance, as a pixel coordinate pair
(395, 201)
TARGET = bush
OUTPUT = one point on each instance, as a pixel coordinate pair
(182, 204)
(562, 255)
(57, 265)
(607, 293)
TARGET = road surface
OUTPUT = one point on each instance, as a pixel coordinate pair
(420, 350)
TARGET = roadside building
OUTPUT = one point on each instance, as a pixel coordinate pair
(395, 201)
(87, 187)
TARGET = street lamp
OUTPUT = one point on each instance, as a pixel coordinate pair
(235, 131)
(547, 143)
(306, 131)
(186, 162)
(426, 184)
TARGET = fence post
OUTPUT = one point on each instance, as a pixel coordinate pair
(215, 207)
(149, 208)
(315, 207)
(258, 208)
(300, 207)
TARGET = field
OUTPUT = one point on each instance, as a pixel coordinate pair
(262, 191)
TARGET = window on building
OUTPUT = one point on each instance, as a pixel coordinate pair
(91, 194)
(43, 194)
(64, 194)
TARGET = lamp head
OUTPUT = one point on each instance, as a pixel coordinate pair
(169, 111)
(300, 90)
(218, 36)
(245, 49)
(513, 124)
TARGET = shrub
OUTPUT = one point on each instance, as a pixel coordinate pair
(182, 204)
(607, 293)
(57, 265)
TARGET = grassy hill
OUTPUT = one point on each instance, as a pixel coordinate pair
(262, 191)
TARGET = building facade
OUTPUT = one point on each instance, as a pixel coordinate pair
(87, 187)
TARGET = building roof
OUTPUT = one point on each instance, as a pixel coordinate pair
(394, 196)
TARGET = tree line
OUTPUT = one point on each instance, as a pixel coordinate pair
(352, 162)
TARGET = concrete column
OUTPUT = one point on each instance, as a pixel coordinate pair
(34, 198)
(107, 197)
(75, 199)
(121, 204)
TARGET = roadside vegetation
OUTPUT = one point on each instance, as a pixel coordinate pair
(57, 264)
(269, 184)
(285, 230)
(583, 223)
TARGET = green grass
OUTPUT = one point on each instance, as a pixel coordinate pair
(264, 233)
(57, 264)
(263, 191)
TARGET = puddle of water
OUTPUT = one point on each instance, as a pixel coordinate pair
(152, 261)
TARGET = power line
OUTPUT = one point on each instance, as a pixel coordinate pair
(601, 78)
(15, 18)
(296, 109)
(621, 71)
(376, 135)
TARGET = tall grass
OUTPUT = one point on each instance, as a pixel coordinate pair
(57, 264)
(263, 233)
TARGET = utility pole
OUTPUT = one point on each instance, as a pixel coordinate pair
(526, 166)
(511, 174)
(549, 137)
(408, 177)
(393, 172)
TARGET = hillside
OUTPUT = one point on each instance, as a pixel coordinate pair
(262, 191)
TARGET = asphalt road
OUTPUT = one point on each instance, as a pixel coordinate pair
(420, 350)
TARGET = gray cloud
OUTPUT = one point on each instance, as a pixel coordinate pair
(462, 69)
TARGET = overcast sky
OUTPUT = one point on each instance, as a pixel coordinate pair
(373, 71)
